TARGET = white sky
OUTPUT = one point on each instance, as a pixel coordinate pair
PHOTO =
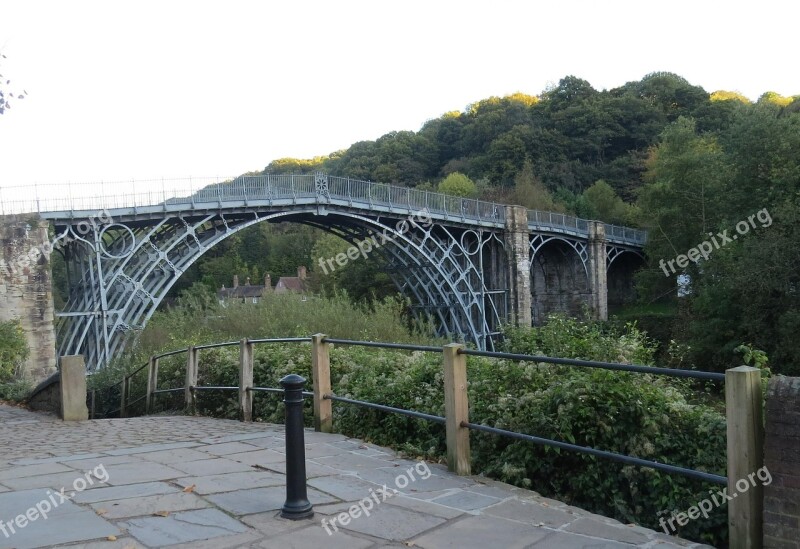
(122, 90)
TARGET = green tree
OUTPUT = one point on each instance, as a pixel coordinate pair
(723, 95)
(458, 184)
(296, 165)
(680, 202)
(774, 98)
(605, 204)
(529, 191)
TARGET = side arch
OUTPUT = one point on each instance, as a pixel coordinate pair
(622, 265)
(559, 277)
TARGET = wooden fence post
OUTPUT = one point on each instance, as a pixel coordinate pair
(245, 380)
(321, 374)
(152, 383)
(744, 412)
(191, 379)
(456, 409)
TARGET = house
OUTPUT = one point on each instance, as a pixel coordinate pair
(292, 283)
(247, 294)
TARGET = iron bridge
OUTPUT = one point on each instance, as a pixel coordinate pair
(125, 250)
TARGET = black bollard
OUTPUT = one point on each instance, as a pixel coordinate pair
(297, 505)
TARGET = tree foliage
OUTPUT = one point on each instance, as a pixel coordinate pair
(660, 153)
(742, 181)
(458, 184)
(7, 93)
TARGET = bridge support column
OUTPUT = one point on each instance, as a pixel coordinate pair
(517, 240)
(26, 292)
(598, 273)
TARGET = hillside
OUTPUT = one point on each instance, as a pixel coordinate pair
(659, 153)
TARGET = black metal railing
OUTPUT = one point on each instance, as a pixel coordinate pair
(632, 368)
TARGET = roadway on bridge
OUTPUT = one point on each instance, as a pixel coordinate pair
(209, 483)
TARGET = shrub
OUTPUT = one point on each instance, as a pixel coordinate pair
(13, 349)
(15, 390)
(640, 415)
(458, 184)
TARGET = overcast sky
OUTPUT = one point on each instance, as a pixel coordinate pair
(122, 90)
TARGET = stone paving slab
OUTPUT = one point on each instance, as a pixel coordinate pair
(52, 521)
(191, 482)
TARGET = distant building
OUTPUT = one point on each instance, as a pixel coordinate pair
(292, 283)
(248, 293)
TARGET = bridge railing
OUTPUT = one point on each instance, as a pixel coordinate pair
(742, 390)
(554, 219)
(313, 188)
(576, 225)
(627, 234)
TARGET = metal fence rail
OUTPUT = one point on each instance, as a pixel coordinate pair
(384, 408)
(634, 368)
(743, 411)
(637, 368)
(630, 460)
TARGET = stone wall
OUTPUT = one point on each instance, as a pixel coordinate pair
(46, 397)
(782, 459)
(559, 283)
(26, 288)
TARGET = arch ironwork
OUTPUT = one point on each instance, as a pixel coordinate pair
(119, 274)
(455, 270)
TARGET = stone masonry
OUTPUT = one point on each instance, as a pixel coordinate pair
(26, 289)
(598, 281)
(782, 459)
(519, 284)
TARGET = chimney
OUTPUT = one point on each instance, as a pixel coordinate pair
(247, 281)
(235, 281)
(301, 272)
(267, 282)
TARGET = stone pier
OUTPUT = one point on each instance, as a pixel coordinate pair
(517, 240)
(26, 291)
(598, 275)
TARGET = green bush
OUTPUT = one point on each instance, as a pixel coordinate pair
(13, 349)
(639, 415)
(15, 390)
(646, 416)
(277, 315)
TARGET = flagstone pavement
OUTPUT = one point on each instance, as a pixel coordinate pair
(199, 482)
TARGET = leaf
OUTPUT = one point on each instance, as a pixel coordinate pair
(112, 538)
(161, 514)
(189, 489)
(101, 512)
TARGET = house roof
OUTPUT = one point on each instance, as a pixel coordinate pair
(291, 283)
(241, 291)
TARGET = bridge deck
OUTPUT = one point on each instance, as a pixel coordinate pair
(149, 200)
(236, 474)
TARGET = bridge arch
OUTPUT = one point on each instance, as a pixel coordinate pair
(120, 273)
